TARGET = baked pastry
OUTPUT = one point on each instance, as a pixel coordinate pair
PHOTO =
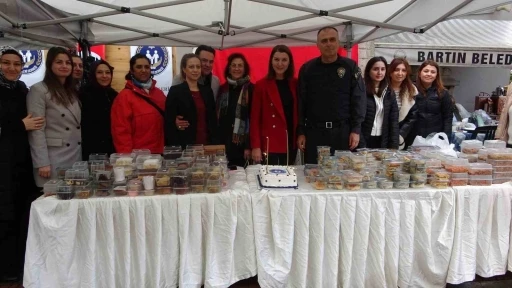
(163, 181)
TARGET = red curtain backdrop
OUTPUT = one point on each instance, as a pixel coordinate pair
(258, 59)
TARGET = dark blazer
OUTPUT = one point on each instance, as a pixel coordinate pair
(268, 118)
(389, 123)
(180, 103)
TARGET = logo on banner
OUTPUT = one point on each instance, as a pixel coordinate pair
(157, 55)
(32, 59)
(400, 54)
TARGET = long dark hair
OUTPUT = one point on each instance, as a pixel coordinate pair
(92, 73)
(407, 84)
(370, 87)
(134, 59)
(61, 94)
(290, 71)
(438, 82)
(234, 56)
(183, 63)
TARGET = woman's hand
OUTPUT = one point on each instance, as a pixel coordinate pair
(181, 124)
(247, 154)
(45, 171)
(33, 123)
(256, 155)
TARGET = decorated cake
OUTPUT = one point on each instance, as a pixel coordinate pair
(277, 177)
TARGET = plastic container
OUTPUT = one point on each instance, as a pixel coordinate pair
(385, 184)
(320, 183)
(181, 190)
(148, 162)
(163, 190)
(103, 175)
(470, 146)
(352, 177)
(421, 177)
(482, 155)
(213, 186)
(51, 187)
(83, 191)
(401, 184)
(329, 161)
(480, 182)
(77, 176)
(334, 177)
(80, 165)
(142, 173)
(494, 162)
(357, 162)
(353, 186)
(195, 147)
(172, 148)
(96, 165)
(440, 184)
(418, 184)
(401, 177)
(134, 187)
(197, 173)
(499, 144)
(138, 152)
(502, 169)
(441, 175)
(372, 184)
(185, 162)
(98, 157)
(163, 178)
(121, 159)
(480, 169)
(368, 174)
(61, 172)
(500, 154)
(172, 155)
(502, 175)
(119, 191)
(336, 186)
(458, 182)
(65, 192)
(501, 181)
(203, 159)
(472, 158)
(323, 150)
(179, 179)
(197, 187)
(457, 165)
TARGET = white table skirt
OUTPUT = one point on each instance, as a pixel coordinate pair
(307, 238)
(156, 241)
(482, 232)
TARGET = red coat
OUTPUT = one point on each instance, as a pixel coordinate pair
(268, 118)
(135, 123)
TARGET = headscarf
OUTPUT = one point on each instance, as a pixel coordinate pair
(4, 82)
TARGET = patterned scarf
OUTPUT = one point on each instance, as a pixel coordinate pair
(241, 127)
(145, 86)
(4, 82)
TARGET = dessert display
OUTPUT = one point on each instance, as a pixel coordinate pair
(65, 192)
(273, 176)
(50, 187)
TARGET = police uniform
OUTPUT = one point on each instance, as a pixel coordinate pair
(332, 104)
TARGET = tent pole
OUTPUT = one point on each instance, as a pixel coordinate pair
(53, 17)
(30, 36)
(340, 16)
(447, 14)
(150, 15)
(277, 35)
(25, 40)
(145, 32)
(385, 21)
(315, 13)
(227, 18)
(8, 19)
(34, 24)
(348, 39)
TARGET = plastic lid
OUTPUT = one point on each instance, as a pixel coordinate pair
(471, 144)
(495, 144)
(51, 186)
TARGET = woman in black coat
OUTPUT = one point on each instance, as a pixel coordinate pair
(435, 112)
(190, 108)
(380, 125)
(97, 97)
(233, 110)
(17, 187)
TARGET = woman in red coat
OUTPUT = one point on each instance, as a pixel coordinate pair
(274, 110)
(137, 114)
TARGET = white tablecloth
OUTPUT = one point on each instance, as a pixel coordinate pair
(482, 232)
(156, 241)
(307, 238)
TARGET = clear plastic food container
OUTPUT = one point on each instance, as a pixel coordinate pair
(401, 184)
(163, 178)
(334, 177)
(149, 162)
(494, 162)
(385, 184)
(329, 161)
(457, 165)
(458, 182)
(61, 172)
(213, 186)
(482, 154)
(472, 158)
(197, 173)
(500, 154)
(502, 175)
(50, 187)
(354, 186)
(172, 155)
(163, 190)
(134, 187)
(323, 150)
(357, 162)
(401, 177)
(440, 184)
(179, 181)
(181, 190)
(81, 165)
(320, 183)
(98, 157)
(502, 169)
(470, 146)
(185, 162)
(336, 186)
(372, 184)
(121, 159)
(501, 181)
(499, 144)
(197, 187)
(103, 175)
(119, 191)
(77, 176)
(172, 148)
(480, 169)
(65, 192)
(142, 173)
(195, 146)
(441, 175)
(203, 159)
(83, 191)
(480, 182)
(368, 174)
(352, 177)
(96, 165)
(138, 152)
(418, 184)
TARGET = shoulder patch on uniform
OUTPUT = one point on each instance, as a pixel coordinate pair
(357, 73)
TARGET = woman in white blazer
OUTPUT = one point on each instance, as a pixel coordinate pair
(58, 143)
(399, 78)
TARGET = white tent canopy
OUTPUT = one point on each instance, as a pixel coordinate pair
(222, 23)
(457, 42)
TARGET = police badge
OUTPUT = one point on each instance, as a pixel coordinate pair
(358, 73)
(341, 72)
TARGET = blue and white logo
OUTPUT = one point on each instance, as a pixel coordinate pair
(158, 57)
(277, 171)
(33, 60)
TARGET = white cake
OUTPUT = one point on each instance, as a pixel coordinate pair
(277, 176)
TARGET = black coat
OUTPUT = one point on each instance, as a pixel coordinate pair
(179, 102)
(16, 178)
(389, 123)
(435, 114)
(96, 133)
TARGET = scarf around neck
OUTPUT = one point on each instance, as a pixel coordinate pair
(143, 85)
(4, 82)
(241, 126)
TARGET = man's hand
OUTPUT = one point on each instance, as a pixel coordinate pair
(45, 171)
(353, 141)
(181, 124)
(247, 154)
(301, 142)
(256, 155)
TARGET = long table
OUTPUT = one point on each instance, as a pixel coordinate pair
(155, 241)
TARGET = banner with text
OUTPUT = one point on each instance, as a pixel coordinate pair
(160, 58)
(464, 58)
(34, 68)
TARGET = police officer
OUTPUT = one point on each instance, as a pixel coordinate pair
(332, 99)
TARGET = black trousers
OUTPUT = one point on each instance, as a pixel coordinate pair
(337, 138)
(280, 158)
(374, 142)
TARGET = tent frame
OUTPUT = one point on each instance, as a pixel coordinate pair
(229, 28)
